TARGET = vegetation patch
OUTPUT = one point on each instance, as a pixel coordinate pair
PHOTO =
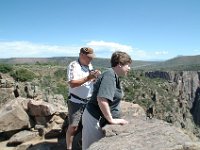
(5, 68)
(23, 75)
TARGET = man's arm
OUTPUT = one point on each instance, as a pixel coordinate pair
(79, 82)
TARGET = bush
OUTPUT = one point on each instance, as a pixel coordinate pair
(60, 74)
(61, 89)
(5, 68)
(23, 75)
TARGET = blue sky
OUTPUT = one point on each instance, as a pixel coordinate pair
(146, 29)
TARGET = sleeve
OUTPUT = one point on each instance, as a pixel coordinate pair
(73, 71)
(107, 87)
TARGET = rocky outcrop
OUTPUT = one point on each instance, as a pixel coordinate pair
(196, 107)
(23, 120)
(159, 74)
(6, 88)
(27, 113)
(140, 133)
(6, 81)
(145, 134)
(22, 137)
(13, 117)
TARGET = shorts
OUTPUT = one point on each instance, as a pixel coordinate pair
(75, 111)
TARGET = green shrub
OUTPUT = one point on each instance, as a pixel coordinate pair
(5, 68)
(23, 75)
(60, 74)
(46, 81)
(61, 89)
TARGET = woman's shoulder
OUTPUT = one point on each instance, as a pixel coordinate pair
(109, 72)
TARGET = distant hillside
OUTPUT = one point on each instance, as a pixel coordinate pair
(178, 63)
(63, 61)
(23, 60)
(183, 60)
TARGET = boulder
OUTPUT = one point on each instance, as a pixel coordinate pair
(13, 117)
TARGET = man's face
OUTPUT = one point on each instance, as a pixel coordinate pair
(86, 59)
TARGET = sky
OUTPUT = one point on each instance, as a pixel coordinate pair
(145, 29)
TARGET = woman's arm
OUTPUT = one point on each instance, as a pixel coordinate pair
(104, 106)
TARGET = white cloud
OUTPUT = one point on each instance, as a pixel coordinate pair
(109, 46)
(106, 48)
(149, 55)
(161, 52)
(28, 49)
(102, 49)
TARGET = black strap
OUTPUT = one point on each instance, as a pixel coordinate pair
(85, 66)
(81, 99)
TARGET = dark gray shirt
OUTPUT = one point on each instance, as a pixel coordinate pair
(108, 87)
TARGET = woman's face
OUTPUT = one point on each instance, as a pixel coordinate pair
(124, 69)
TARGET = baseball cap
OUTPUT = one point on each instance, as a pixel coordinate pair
(87, 51)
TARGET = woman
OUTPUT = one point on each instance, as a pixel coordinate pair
(103, 108)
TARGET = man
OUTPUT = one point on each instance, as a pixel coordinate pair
(80, 79)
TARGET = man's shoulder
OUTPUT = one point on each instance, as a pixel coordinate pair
(73, 63)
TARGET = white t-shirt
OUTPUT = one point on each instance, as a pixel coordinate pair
(76, 71)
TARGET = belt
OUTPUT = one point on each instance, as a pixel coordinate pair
(81, 99)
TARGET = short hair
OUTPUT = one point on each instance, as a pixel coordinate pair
(121, 58)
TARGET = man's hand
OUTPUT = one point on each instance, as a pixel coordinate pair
(91, 77)
(94, 74)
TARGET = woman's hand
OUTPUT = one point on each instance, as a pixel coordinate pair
(104, 106)
(119, 121)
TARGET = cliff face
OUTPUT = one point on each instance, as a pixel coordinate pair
(185, 86)
(185, 83)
